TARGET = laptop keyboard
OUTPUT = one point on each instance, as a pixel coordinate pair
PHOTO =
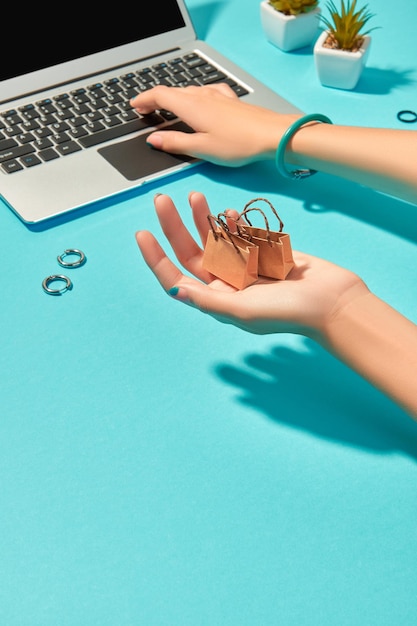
(72, 121)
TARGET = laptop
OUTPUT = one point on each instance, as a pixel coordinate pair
(68, 136)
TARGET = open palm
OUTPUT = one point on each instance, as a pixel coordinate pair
(312, 291)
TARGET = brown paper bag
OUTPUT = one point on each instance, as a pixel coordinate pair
(229, 256)
(275, 253)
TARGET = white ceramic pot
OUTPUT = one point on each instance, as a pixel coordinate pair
(339, 68)
(289, 32)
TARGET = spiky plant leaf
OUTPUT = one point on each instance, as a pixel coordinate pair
(346, 24)
(294, 7)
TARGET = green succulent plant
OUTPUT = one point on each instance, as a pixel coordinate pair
(345, 25)
(294, 7)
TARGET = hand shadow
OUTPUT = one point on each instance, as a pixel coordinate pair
(314, 392)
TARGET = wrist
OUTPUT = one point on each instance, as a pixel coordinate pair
(281, 156)
(270, 131)
(378, 343)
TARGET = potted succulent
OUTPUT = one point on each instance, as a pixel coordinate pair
(342, 49)
(290, 24)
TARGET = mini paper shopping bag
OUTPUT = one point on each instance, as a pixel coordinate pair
(230, 257)
(275, 252)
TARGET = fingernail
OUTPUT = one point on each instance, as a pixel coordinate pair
(173, 291)
(155, 141)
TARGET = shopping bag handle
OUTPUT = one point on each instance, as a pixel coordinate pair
(246, 209)
(217, 220)
(267, 232)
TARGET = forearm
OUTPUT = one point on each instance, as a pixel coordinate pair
(380, 344)
(383, 159)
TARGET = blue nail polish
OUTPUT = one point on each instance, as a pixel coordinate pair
(173, 291)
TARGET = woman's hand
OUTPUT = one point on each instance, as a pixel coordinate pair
(228, 131)
(317, 299)
(312, 292)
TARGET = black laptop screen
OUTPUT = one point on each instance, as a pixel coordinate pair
(40, 42)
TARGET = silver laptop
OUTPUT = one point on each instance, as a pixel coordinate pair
(68, 136)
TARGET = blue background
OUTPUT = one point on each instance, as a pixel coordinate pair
(158, 468)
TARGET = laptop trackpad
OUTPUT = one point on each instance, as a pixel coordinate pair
(135, 159)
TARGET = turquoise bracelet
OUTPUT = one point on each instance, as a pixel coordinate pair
(282, 146)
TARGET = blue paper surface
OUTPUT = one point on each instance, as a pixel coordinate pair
(160, 469)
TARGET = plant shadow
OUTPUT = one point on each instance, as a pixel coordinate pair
(334, 403)
(379, 82)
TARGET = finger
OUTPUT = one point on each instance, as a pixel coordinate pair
(233, 219)
(175, 98)
(217, 299)
(165, 271)
(201, 211)
(185, 248)
(160, 97)
(178, 142)
(223, 88)
(201, 145)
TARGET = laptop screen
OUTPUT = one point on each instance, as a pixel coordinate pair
(45, 44)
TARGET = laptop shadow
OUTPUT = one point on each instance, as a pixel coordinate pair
(103, 204)
(204, 16)
(321, 193)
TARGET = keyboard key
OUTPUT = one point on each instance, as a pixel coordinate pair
(193, 60)
(9, 113)
(214, 77)
(78, 132)
(43, 132)
(110, 110)
(114, 132)
(60, 97)
(31, 114)
(77, 121)
(59, 127)
(60, 138)
(5, 144)
(48, 119)
(68, 148)
(99, 112)
(29, 125)
(14, 153)
(46, 106)
(41, 144)
(112, 121)
(30, 160)
(239, 90)
(48, 154)
(11, 166)
(25, 138)
(95, 127)
(93, 116)
(12, 120)
(10, 131)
